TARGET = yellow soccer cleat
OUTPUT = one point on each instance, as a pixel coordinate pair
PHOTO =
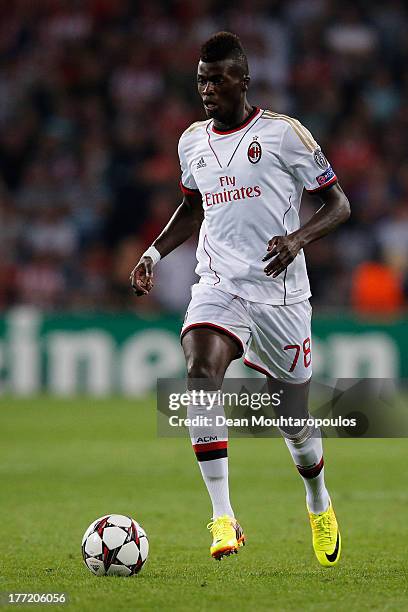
(326, 537)
(227, 536)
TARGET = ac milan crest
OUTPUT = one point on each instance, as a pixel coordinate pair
(254, 152)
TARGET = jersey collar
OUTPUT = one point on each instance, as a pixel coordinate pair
(254, 113)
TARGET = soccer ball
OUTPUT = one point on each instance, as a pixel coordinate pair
(115, 545)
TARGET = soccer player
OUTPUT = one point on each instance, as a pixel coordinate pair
(243, 171)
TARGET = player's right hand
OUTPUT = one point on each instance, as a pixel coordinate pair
(141, 277)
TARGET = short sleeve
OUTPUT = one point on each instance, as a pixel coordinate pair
(304, 158)
(187, 182)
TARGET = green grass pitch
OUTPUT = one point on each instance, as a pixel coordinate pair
(63, 463)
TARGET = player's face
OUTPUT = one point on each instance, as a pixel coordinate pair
(222, 88)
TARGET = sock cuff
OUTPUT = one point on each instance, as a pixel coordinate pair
(211, 450)
(206, 446)
(209, 434)
(311, 471)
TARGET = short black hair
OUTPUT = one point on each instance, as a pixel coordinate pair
(222, 46)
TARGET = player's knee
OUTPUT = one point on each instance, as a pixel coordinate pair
(201, 369)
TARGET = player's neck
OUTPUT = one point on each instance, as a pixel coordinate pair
(235, 120)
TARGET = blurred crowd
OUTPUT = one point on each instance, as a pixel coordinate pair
(94, 95)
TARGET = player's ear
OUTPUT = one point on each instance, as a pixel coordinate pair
(245, 82)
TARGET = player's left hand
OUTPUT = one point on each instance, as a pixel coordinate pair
(283, 249)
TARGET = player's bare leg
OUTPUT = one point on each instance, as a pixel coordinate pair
(305, 446)
(208, 354)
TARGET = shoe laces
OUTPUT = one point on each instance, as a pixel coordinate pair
(220, 527)
(321, 523)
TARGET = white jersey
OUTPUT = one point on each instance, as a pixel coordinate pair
(251, 181)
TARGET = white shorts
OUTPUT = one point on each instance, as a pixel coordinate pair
(275, 340)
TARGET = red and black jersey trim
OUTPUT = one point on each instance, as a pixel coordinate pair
(286, 233)
(187, 190)
(332, 182)
(221, 330)
(211, 451)
(255, 111)
(258, 368)
(311, 472)
(217, 276)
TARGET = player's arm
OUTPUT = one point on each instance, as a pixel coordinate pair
(334, 211)
(305, 162)
(184, 223)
